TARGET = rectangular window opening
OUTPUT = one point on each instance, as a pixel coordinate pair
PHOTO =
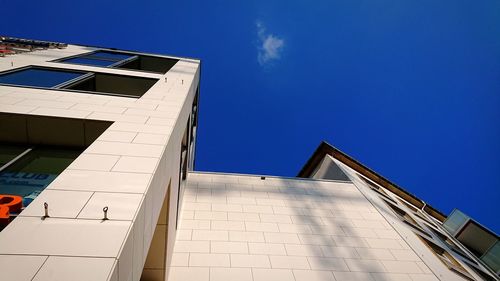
(9, 152)
(373, 186)
(29, 175)
(81, 81)
(480, 272)
(36, 151)
(447, 259)
(414, 210)
(38, 77)
(182, 168)
(407, 219)
(123, 60)
(451, 245)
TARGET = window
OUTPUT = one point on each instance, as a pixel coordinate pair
(112, 56)
(451, 245)
(34, 152)
(123, 60)
(36, 167)
(414, 210)
(455, 221)
(8, 153)
(447, 259)
(99, 58)
(82, 81)
(31, 170)
(481, 272)
(407, 219)
(492, 257)
(377, 189)
(194, 116)
(90, 61)
(194, 125)
(39, 77)
(182, 169)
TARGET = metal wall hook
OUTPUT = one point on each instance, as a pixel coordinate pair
(46, 209)
(105, 210)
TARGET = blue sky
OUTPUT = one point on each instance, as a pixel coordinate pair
(409, 88)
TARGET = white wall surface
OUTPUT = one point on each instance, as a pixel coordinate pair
(127, 169)
(238, 227)
(419, 250)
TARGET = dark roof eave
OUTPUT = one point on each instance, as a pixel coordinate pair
(325, 148)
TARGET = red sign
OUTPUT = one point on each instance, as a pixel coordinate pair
(9, 204)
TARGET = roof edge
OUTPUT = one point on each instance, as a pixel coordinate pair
(325, 148)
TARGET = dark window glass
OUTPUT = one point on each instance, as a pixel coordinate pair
(109, 56)
(149, 63)
(38, 77)
(492, 257)
(447, 259)
(9, 152)
(125, 61)
(100, 58)
(455, 221)
(113, 84)
(104, 83)
(90, 61)
(29, 176)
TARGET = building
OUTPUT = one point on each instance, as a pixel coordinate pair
(97, 183)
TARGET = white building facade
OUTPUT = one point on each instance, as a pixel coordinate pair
(97, 183)
(132, 131)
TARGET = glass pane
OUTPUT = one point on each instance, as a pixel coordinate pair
(109, 56)
(455, 221)
(38, 77)
(29, 176)
(492, 257)
(9, 152)
(89, 61)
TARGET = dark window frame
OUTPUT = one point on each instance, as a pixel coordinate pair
(85, 75)
(407, 219)
(25, 160)
(134, 56)
(446, 258)
(89, 55)
(376, 188)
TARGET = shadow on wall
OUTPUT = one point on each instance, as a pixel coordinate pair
(331, 219)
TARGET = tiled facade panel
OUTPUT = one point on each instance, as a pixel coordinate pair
(236, 227)
(128, 168)
(408, 256)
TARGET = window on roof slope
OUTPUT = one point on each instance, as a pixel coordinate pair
(93, 82)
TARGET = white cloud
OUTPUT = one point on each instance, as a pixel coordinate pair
(270, 45)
